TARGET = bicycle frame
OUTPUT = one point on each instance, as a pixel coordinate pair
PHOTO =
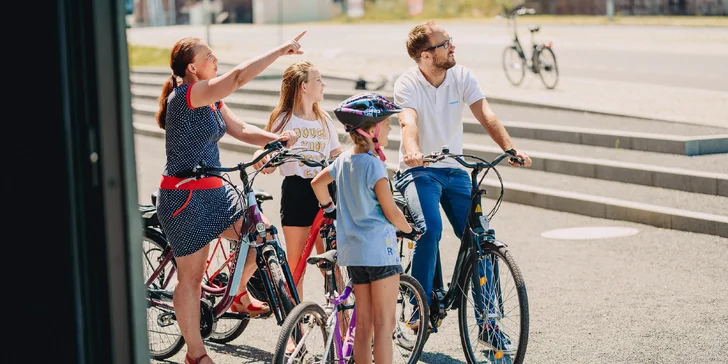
(321, 226)
(470, 251)
(519, 47)
(475, 243)
(253, 230)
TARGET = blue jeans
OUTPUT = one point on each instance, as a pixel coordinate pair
(425, 189)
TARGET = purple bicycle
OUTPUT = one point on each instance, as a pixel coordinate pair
(325, 334)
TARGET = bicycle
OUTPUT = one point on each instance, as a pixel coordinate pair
(322, 225)
(480, 248)
(217, 293)
(309, 320)
(542, 60)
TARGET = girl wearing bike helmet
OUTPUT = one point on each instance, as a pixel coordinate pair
(298, 111)
(366, 220)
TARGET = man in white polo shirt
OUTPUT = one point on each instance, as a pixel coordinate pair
(433, 95)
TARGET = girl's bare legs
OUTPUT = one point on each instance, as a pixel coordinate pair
(364, 324)
(187, 299)
(384, 304)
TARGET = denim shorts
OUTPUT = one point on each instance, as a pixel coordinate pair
(366, 275)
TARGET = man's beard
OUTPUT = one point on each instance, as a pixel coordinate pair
(444, 63)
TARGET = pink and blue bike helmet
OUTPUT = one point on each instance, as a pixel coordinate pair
(362, 109)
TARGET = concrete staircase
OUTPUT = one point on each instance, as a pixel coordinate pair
(659, 173)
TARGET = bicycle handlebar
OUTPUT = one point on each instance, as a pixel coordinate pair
(285, 154)
(201, 169)
(521, 11)
(445, 153)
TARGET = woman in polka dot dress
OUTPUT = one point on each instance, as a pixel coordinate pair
(197, 212)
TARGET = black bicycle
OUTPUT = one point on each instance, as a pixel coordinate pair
(487, 287)
(542, 60)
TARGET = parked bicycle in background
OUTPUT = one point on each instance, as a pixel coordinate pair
(542, 60)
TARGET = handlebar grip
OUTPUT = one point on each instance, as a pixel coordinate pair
(275, 144)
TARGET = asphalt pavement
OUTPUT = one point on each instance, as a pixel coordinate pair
(654, 297)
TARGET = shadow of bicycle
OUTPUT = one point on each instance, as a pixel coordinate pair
(243, 353)
(440, 358)
(437, 358)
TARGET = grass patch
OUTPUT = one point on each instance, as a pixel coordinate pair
(393, 13)
(144, 56)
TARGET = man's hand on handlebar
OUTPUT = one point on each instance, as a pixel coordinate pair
(415, 159)
(521, 159)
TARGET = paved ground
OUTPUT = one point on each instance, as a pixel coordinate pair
(654, 297)
(671, 73)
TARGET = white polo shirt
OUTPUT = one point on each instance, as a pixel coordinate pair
(439, 109)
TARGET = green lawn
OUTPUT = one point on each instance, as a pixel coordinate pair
(142, 56)
(694, 21)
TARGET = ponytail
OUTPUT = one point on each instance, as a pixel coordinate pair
(167, 89)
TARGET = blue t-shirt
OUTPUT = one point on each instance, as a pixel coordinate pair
(364, 235)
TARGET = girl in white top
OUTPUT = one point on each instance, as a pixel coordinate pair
(301, 90)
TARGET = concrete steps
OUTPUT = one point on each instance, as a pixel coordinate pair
(573, 171)
(547, 125)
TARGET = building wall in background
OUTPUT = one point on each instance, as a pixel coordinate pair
(292, 11)
(631, 7)
(176, 12)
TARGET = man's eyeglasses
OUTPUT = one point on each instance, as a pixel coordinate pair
(446, 44)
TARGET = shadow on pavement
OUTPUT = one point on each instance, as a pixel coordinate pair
(244, 353)
(432, 358)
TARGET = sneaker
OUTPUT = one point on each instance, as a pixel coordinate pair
(415, 326)
(495, 339)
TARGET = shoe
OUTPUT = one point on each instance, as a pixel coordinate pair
(252, 310)
(495, 339)
(415, 326)
(189, 360)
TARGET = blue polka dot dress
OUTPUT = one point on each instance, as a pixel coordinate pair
(193, 218)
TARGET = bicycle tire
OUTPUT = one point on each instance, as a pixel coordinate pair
(507, 60)
(550, 68)
(503, 255)
(291, 325)
(409, 283)
(231, 325)
(280, 287)
(175, 340)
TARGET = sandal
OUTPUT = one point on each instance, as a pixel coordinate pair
(252, 310)
(195, 361)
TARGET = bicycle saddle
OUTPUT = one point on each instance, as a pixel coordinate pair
(262, 195)
(149, 215)
(534, 28)
(325, 260)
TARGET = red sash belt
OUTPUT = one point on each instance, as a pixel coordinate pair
(189, 184)
(175, 183)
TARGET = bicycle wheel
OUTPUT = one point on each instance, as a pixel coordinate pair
(514, 66)
(547, 68)
(304, 329)
(230, 325)
(499, 332)
(280, 286)
(412, 312)
(165, 337)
